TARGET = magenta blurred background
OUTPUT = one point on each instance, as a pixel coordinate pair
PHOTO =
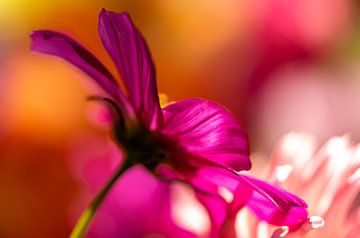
(279, 65)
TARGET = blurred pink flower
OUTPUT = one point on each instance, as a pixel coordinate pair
(194, 141)
(286, 32)
(299, 91)
(297, 30)
(328, 180)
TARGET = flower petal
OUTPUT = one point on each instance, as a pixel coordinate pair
(206, 129)
(54, 43)
(136, 192)
(206, 192)
(131, 55)
(269, 203)
(274, 205)
(216, 208)
(139, 205)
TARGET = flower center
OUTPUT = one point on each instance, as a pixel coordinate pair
(145, 147)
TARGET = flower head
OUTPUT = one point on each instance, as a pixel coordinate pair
(195, 140)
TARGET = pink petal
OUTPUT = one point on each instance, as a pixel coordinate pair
(138, 205)
(216, 208)
(131, 55)
(274, 205)
(354, 232)
(269, 203)
(207, 130)
(54, 43)
(205, 182)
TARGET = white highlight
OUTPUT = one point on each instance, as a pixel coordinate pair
(291, 142)
(226, 194)
(298, 148)
(355, 177)
(316, 222)
(280, 232)
(338, 160)
(187, 212)
(356, 155)
(242, 223)
(337, 145)
(282, 172)
(263, 230)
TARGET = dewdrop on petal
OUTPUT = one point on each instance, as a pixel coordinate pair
(316, 222)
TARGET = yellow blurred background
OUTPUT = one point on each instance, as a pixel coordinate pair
(278, 65)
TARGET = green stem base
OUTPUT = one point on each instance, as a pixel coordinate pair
(85, 219)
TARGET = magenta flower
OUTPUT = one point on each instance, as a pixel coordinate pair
(195, 140)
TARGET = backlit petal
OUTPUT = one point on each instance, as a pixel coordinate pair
(269, 203)
(207, 130)
(131, 55)
(54, 43)
(273, 204)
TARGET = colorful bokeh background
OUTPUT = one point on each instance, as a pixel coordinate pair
(278, 65)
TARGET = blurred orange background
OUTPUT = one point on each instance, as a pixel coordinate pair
(279, 65)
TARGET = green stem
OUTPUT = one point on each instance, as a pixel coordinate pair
(84, 220)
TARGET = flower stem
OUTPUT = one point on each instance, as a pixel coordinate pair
(84, 220)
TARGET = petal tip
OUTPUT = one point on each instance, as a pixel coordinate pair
(107, 13)
(35, 37)
(248, 166)
(38, 35)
